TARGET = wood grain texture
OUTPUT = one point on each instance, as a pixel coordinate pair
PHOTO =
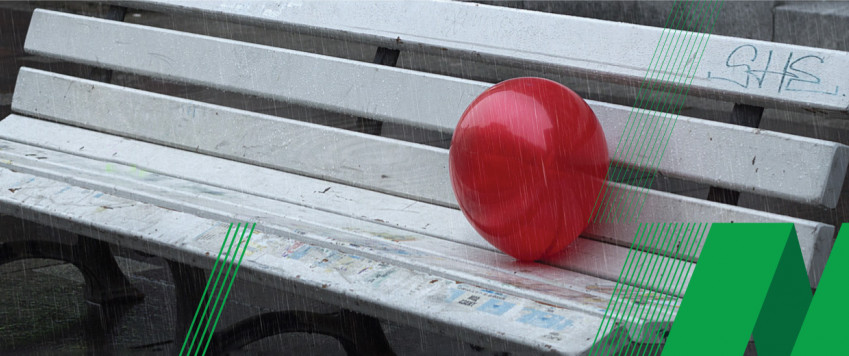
(815, 238)
(583, 47)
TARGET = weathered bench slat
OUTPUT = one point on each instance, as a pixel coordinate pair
(282, 260)
(288, 75)
(587, 47)
(266, 132)
(483, 268)
(196, 117)
(815, 238)
(436, 102)
(584, 256)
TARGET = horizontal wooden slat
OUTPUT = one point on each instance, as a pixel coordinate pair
(248, 68)
(815, 238)
(587, 256)
(186, 124)
(587, 47)
(144, 162)
(269, 141)
(363, 236)
(277, 256)
(746, 159)
(737, 159)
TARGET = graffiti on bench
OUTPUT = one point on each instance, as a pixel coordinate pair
(748, 67)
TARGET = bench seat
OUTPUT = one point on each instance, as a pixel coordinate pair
(279, 257)
(391, 166)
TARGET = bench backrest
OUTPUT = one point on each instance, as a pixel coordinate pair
(721, 155)
(431, 101)
(734, 69)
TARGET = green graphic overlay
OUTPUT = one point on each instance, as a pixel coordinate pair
(195, 338)
(664, 269)
(762, 265)
(823, 330)
(656, 108)
(659, 264)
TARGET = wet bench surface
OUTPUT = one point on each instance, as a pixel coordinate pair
(366, 222)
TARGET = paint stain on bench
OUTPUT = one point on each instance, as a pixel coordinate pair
(383, 235)
(393, 237)
(202, 190)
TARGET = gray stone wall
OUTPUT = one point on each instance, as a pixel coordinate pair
(816, 24)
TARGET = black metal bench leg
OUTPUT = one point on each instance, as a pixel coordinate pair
(383, 56)
(189, 283)
(743, 115)
(359, 334)
(104, 281)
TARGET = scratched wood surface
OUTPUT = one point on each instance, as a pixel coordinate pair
(756, 161)
(282, 144)
(346, 86)
(815, 238)
(591, 257)
(489, 269)
(386, 290)
(735, 69)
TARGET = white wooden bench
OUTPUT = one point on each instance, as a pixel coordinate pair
(364, 222)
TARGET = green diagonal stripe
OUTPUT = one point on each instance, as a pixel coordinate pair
(223, 283)
(668, 85)
(205, 292)
(209, 299)
(668, 41)
(607, 322)
(677, 111)
(693, 241)
(212, 304)
(821, 333)
(647, 136)
(771, 289)
(676, 105)
(604, 194)
(635, 198)
(229, 287)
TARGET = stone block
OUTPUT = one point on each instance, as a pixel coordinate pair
(815, 24)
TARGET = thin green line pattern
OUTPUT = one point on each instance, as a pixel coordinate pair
(663, 272)
(200, 333)
(656, 109)
(661, 258)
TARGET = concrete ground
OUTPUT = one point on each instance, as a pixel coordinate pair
(42, 310)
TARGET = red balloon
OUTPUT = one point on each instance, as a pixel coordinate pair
(527, 162)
